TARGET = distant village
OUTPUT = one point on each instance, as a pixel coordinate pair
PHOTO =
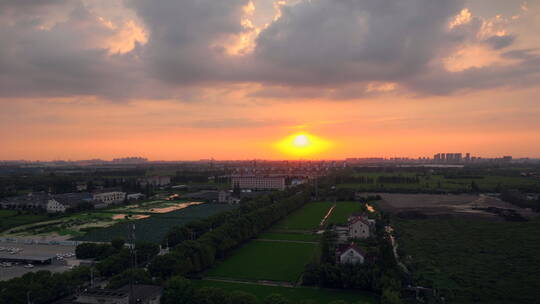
(242, 186)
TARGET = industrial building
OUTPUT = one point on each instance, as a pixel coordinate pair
(256, 182)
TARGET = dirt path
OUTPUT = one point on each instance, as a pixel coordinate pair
(325, 219)
(389, 230)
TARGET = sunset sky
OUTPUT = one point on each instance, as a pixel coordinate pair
(234, 79)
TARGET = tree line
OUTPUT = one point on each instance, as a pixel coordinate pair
(193, 256)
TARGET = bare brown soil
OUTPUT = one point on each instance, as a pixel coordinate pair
(440, 204)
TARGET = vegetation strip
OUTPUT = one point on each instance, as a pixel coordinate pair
(286, 241)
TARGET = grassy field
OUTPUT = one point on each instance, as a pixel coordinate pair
(10, 219)
(65, 225)
(290, 236)
(342, 212)
(474, 260)
(7, 213)
(295, 295)
(266, 260)
(154, 228)
(307, 218)
(487, 183)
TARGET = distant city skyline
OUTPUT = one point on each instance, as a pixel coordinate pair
(138, 159)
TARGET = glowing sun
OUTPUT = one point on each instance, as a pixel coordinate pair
(302, 144)
(301, 141)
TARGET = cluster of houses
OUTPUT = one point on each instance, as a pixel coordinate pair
(358, 227)
(60, 203)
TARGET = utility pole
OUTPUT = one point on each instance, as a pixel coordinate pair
(133, 256)
(92, 276)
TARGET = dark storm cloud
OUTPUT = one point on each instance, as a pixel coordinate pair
(26, 6)
(323, 48)
(328, 41)
(63, 60)
(525, 73)
(181, 33)
(500, 42)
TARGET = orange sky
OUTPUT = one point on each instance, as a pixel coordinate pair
(140, 112)
(484, 124)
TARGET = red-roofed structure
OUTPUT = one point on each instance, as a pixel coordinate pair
(350, 254)
(360, 227)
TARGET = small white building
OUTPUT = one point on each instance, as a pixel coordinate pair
(62, 202)
(108, 198)
(233, 200)
(54, 206)
(135, 196)
(351, 254)
(82, 186)
(225, 197)
(360, 227)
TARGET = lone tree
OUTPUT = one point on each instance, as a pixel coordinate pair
(474, 187)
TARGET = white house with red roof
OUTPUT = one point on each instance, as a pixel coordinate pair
(360, 227)
(350, 254)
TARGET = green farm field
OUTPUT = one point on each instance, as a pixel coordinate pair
(342, 211)
(266, 260)
(486, 183)
(67, 224)
(307, 218)
(305, 237)
(476, 261)
(155, 227)
(11, 218)
(295, 295)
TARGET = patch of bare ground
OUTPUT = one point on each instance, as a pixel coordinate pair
(464, 205)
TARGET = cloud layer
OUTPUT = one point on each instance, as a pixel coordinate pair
(337, 49)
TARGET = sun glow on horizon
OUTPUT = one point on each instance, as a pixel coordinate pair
(301, 141)
(302, 144)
